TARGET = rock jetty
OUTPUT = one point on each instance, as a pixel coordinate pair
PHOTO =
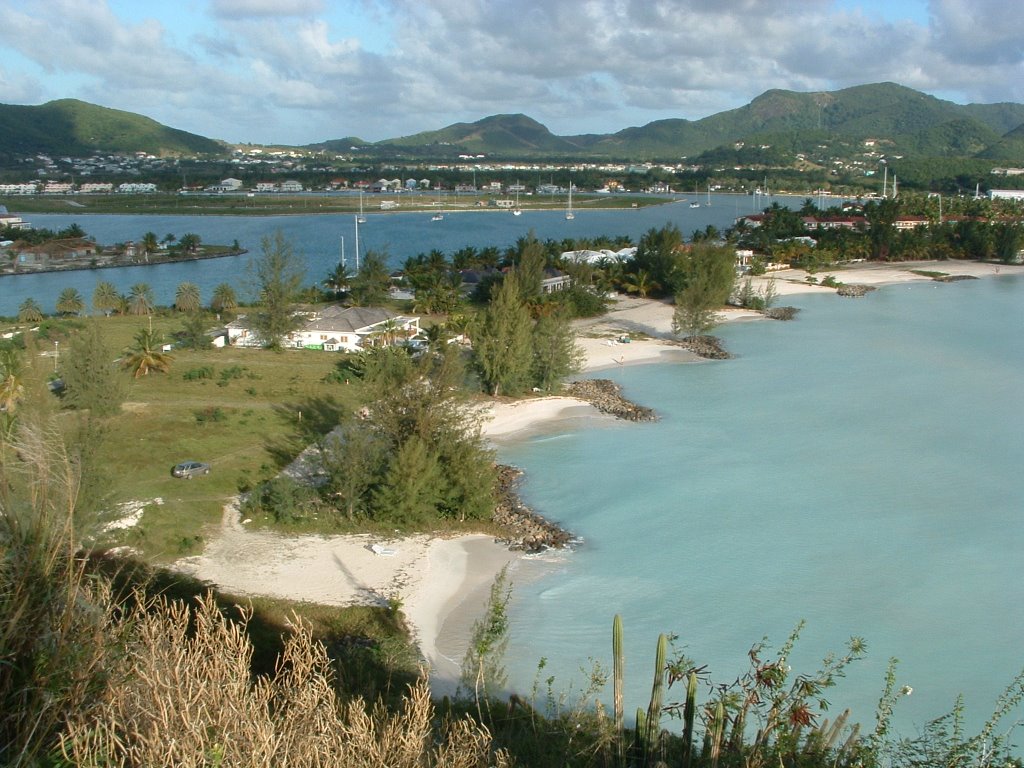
(526, 530)
(606, 396)
(855, 290)
(781, 313)
(709, 347)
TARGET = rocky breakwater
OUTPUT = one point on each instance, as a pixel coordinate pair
(709, 347)
(855, 290)
(526, 530)
(606, 396)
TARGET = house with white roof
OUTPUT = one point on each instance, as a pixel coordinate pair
(336, 329)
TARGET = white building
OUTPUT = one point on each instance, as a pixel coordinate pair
(1006, 194)
(336, 329)
(135, 188)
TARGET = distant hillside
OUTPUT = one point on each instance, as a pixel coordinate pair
(498, 134)
(338, 145)
(76, 128)
(910, 120)
(1009, 150)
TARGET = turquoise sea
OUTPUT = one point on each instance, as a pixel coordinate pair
(859, 468)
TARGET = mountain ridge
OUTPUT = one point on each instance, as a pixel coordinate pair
(905, 119)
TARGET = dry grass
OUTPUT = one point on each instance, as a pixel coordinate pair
(182, 696)
(53, 649)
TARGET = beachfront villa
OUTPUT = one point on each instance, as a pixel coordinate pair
(336, 329)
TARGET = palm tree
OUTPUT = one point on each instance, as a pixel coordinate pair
(140, 299)
(105, 298)
(70, 302)
(639, 283)
(146, 355)
(186, 299)
(189, 243)
(11, 379)
(30, 311)
(149, 243)
(224, 298)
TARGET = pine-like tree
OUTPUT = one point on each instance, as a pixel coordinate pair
(502, 342)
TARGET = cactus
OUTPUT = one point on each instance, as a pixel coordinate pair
(689, 713)
(618, 673)
(652, 731)
(713, 739)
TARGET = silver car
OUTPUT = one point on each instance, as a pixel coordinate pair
(190, 469)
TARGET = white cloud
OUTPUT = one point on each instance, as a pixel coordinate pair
(298, 71)
(240, 9)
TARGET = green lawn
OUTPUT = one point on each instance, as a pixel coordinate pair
(255, 412)
(266, 205)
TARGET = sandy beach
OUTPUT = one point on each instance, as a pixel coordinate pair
(442, 583)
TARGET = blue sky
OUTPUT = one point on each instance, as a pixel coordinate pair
(301, 71)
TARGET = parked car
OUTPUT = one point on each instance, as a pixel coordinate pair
(190, 469)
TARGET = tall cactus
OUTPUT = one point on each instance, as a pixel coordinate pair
(689, 714)
(618, 675)
(652, 731)
(713, 736)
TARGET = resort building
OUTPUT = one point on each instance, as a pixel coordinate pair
(336, 329)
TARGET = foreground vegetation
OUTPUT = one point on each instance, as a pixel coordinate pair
(95, 673)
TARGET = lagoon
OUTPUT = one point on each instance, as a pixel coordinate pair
(317, 239)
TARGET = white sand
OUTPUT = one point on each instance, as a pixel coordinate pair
(425, 574)
(433, 577)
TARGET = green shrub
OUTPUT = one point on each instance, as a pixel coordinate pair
(209, 414)
(194, 374)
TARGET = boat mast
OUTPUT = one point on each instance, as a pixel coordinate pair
(357, 243)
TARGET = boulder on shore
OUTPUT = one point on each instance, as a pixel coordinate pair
(606, 396)
(526, 530)
(856, 290)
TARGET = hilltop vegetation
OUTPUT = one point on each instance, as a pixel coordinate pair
(904, 120)
(76, 128)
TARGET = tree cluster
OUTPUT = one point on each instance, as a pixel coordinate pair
(415, 453)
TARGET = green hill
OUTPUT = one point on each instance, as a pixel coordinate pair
(497, 134)
(909, 120)
(76, 128)
(1009, 150)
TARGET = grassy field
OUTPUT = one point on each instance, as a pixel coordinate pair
(266, 205)
(246, 412)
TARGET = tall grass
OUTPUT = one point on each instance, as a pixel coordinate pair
(52, 644)
(183, 697)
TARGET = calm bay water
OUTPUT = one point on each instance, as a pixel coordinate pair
(858, 468)
(318, 239)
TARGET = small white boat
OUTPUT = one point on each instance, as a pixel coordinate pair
(695, 205)
(437, 217)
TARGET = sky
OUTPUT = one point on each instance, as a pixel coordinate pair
(301, 71)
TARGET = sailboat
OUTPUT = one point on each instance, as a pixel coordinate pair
(709, 196)
(517, 211)
(438, 216)
(569, 215)
(357, 243)
(695, 204)
(360, 219)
